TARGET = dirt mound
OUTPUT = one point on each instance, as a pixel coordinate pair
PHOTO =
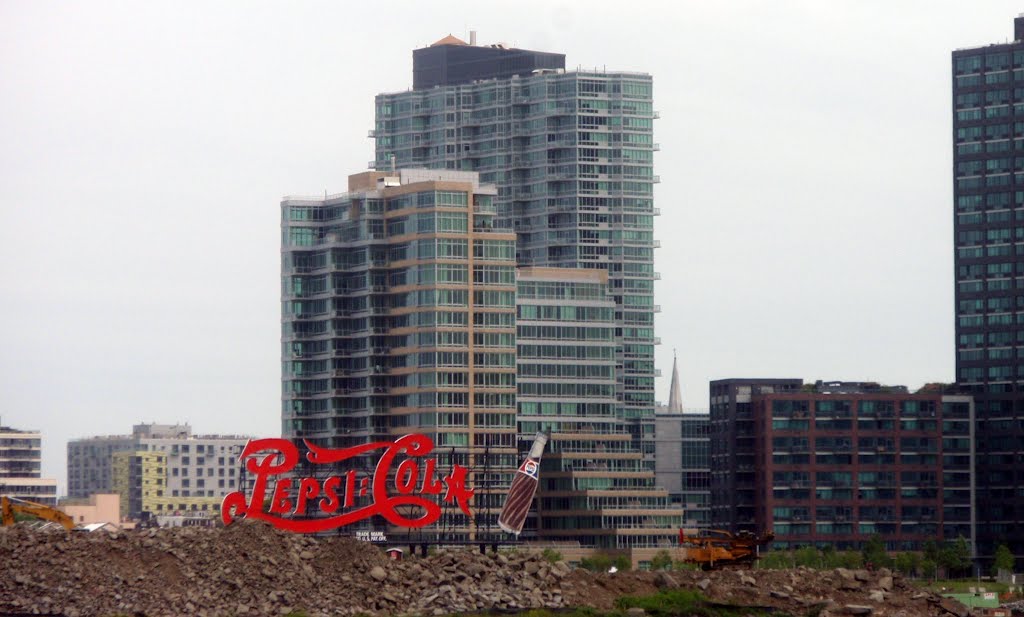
(253, 569)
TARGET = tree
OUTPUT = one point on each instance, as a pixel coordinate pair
(908, 563)
(929, 568)
(874, 553)
(1004, 560)
(964, 558)
(955, 556)
(662, 560)
(622, 563)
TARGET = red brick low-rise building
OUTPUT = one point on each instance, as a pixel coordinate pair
(838, 462)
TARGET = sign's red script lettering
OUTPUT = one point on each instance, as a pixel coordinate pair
(393, 484)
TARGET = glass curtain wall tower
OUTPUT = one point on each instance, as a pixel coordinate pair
(594, 487)
(988, 186)
(571, 155)
(398, 316)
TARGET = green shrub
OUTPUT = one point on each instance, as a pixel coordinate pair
(807, 556)
(851, 560)
(874, 552)
(776, 560)
(600, 562)
(672, 602)
(684, 565)
(622, 563)
(551, 555)
(680, 602)
(662, 560)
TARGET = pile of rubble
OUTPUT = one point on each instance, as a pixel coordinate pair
(252, 569)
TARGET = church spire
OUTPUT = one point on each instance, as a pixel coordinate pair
(675, 396)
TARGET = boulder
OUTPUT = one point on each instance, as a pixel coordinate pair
(954, 607)
(664, 580)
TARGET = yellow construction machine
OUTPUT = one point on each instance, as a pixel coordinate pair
(716, 548)
(9, 506)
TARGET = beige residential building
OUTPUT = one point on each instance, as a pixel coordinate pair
(398, 316)
(21, 467)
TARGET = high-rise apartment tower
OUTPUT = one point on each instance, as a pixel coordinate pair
(988, 187)
(399, 316)
(571, 155)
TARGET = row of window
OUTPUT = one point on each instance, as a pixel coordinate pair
(1001, 269)
(990, 131)
(1003, 319)
(989, 165)
(504, 93)
(863, 424)
(988, 147)
(562, 389)
(841, 408)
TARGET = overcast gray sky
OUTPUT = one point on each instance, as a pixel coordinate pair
(144, 147)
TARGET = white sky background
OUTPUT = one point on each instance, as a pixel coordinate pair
(144, 147)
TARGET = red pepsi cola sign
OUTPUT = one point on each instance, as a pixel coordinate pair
(404, 476)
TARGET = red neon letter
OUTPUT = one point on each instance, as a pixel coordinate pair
(279, 503)
(329, 504)
(405, 477)
(308, 489)
(431, 485)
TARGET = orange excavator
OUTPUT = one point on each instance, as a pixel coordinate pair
(716, 548)
(9, 506)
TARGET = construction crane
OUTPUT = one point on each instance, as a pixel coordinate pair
(717, 548)
(9, 506)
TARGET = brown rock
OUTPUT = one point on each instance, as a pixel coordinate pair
(664, 580)
(954, 607)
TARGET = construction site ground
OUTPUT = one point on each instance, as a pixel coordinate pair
(252, 569)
